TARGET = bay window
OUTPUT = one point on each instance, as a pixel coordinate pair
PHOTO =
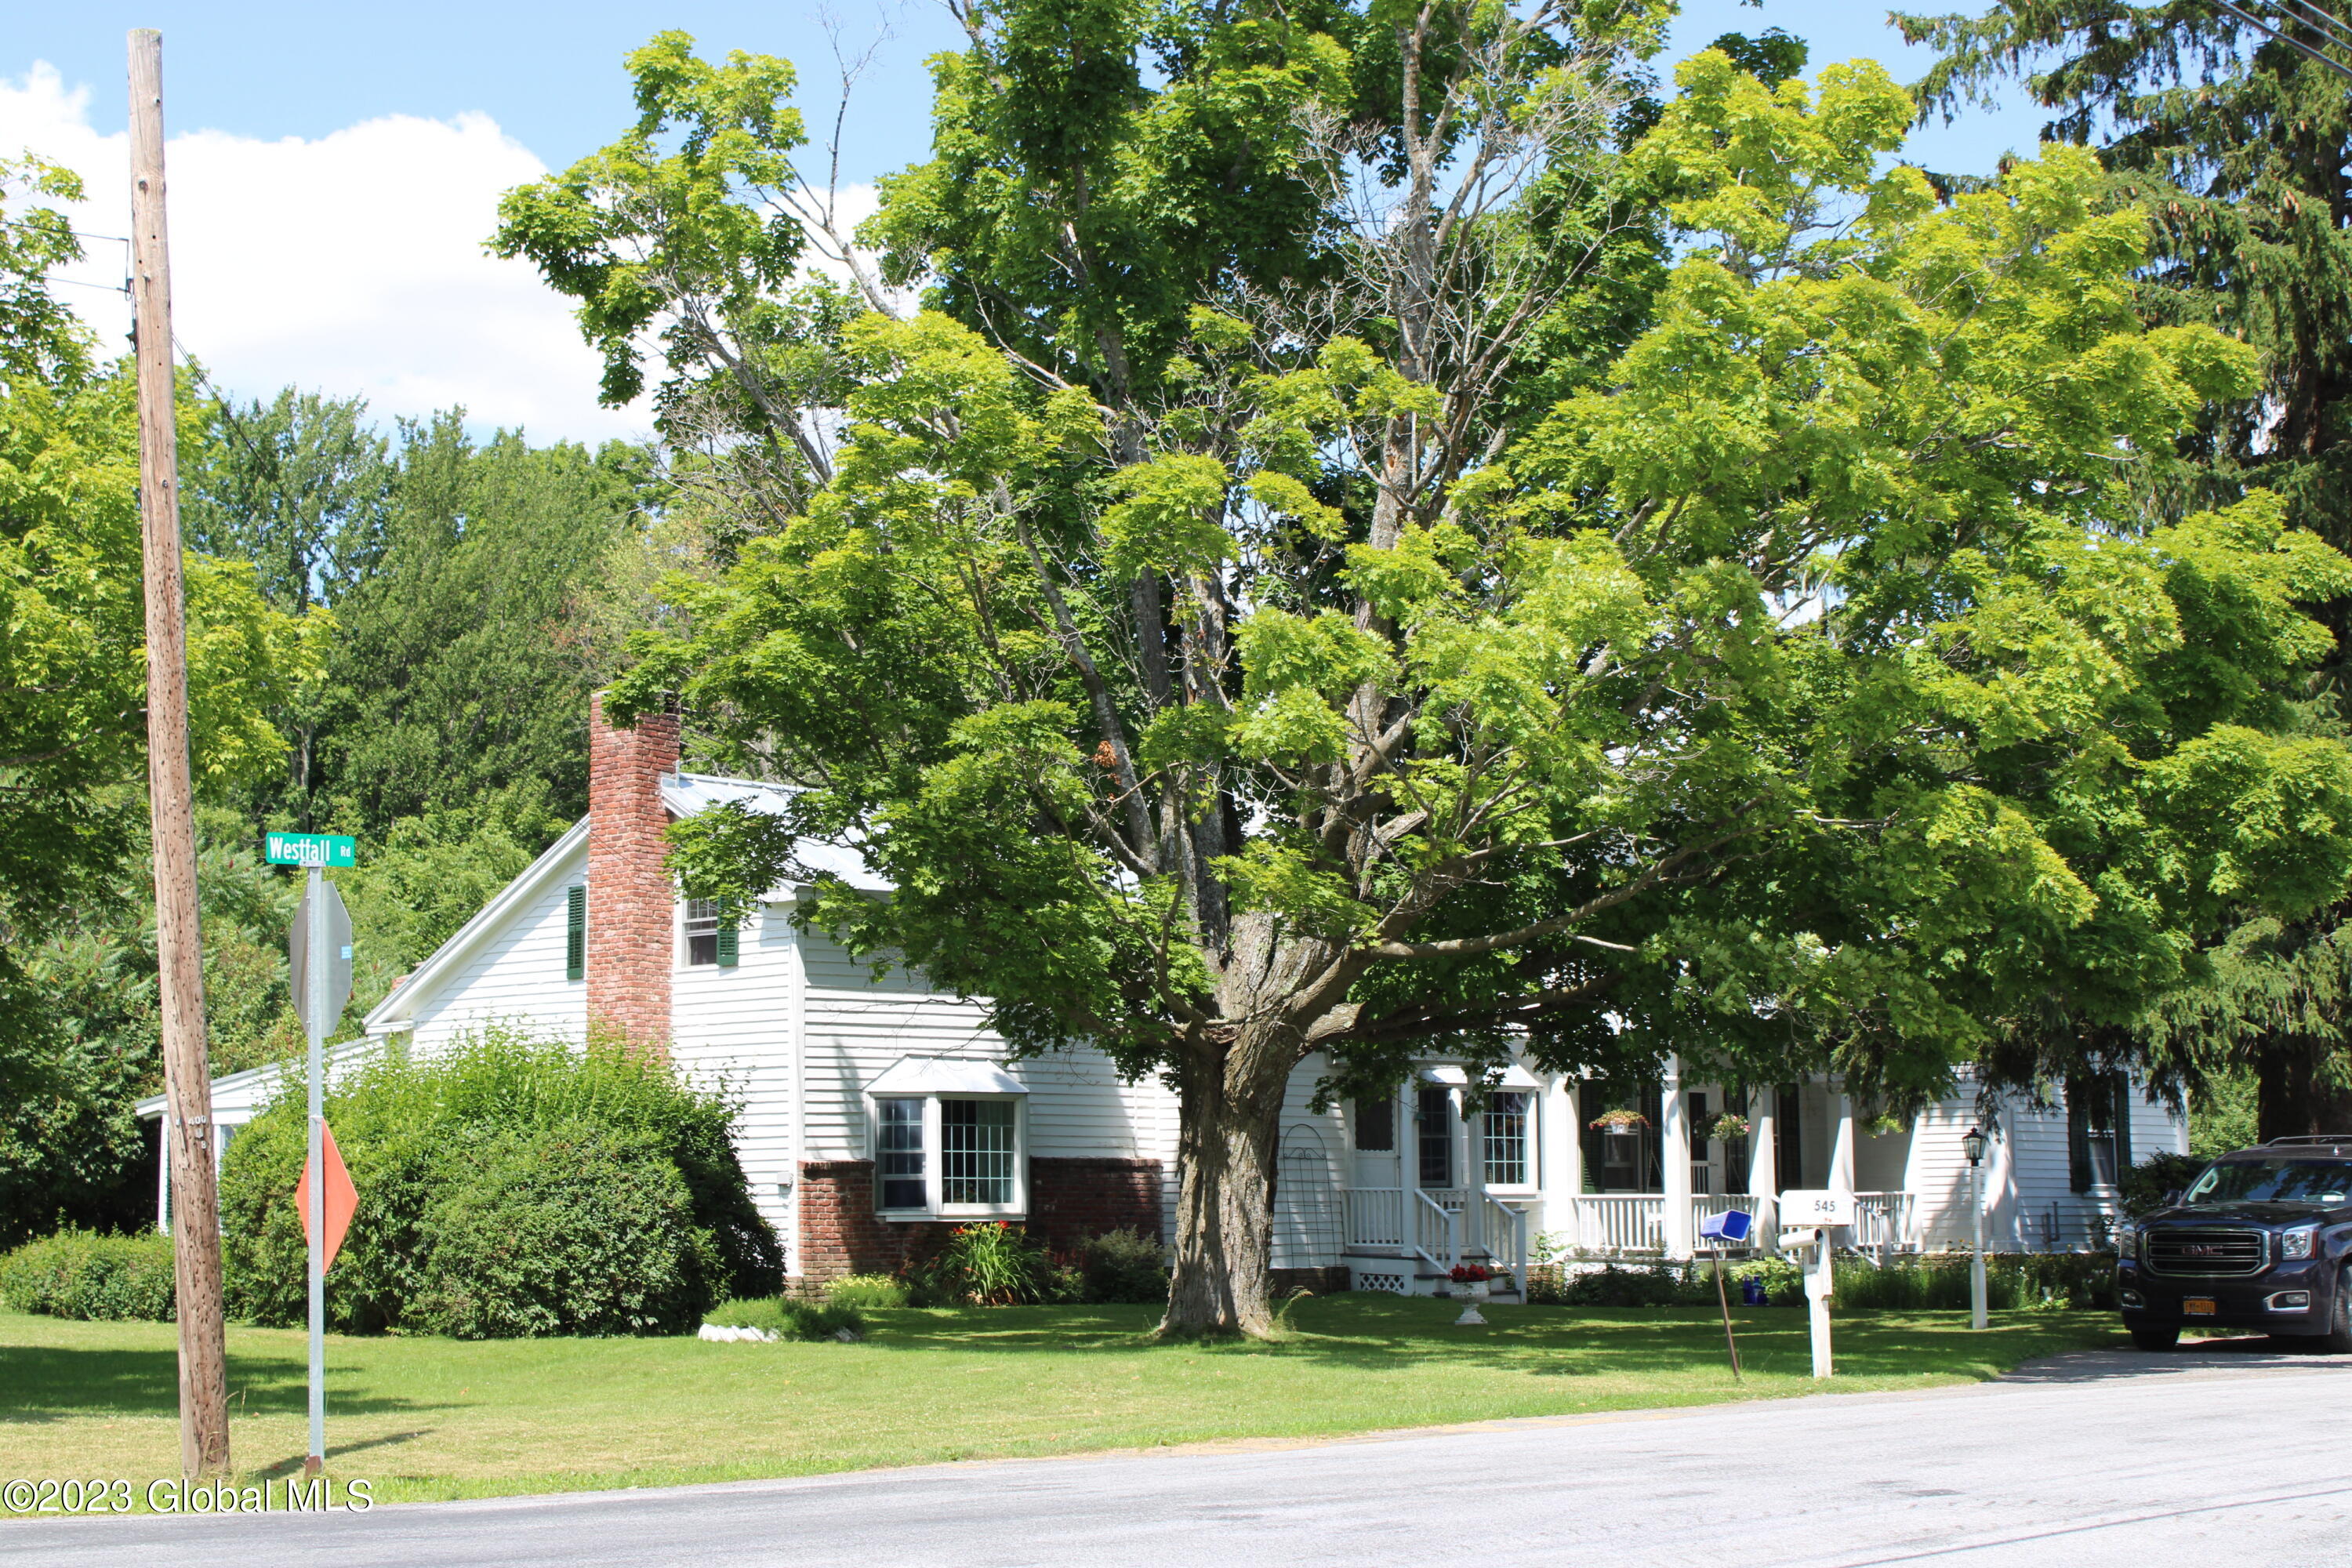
(950, 1141)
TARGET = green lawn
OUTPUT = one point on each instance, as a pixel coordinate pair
(439, 1418)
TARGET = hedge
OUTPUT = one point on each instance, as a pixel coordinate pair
(81, 1274)
(1935, 1282)
(511, 1186)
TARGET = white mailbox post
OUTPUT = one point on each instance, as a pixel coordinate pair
(1808, 1216)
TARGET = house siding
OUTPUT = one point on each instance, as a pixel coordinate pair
(515, 973)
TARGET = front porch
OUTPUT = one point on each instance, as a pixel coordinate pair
(1446, 1173)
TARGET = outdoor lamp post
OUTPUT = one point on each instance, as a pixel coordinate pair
(1973, 1144)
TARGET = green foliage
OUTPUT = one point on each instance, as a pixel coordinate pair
(463, 667)
(1802, 682)
(2146, 1184)
(2232, 143)
(860, 1290)
(2222, 1115)
(74, 879)
(991, 1263)
(1124, 1266)
(510, 1186)
(562, 1229)
(1938, 1282)
(82, 1274)
(300, 486)
(796, 1320)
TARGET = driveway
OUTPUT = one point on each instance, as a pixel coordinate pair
(2217, 1455)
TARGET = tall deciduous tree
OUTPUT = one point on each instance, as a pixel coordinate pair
(72, 630)
(2236, 145)
(1300, 691)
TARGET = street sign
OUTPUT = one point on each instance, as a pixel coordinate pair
(339, 959)
(310, 850)
(1730, 1227)
(340, 1201)
(1805, 1206)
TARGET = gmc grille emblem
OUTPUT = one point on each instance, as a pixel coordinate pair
(2199, 1249)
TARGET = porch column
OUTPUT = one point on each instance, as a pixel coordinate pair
(1763, 1172)
(1842, 1149)
(1563, 1177)
(1674, 1156)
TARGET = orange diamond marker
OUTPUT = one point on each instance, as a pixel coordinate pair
(342, 1198)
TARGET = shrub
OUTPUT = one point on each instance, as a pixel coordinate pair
(864, 1290)
(2050, 1281)
(512, 1186)
(1123, 1266)
(2145, 1184)
(570, 1230)
(992, 1264)
(81, 1274)
(791, 1320)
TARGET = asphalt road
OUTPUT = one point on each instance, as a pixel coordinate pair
(2213, 1458)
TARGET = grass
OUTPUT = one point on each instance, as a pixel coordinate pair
(429, 1418)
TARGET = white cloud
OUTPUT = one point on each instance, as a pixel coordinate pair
(352, 264)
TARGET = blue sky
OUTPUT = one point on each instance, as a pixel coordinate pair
(552, 76)
(335, 167)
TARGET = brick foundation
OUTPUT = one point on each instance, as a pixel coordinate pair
(1069, 1200)
(1324, 1280)
(631, 901)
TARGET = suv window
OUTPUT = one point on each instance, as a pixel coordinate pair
(2273, 1182)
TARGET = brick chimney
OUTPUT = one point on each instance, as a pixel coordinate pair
(631, 898)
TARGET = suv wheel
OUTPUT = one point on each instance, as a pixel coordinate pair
(2156, 1339)
(2338, 1341)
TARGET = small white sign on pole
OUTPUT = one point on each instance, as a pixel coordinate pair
(1806, 1207)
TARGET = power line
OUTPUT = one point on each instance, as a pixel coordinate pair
(2313, 16)
(2295, 43)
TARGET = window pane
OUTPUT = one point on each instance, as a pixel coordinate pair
(976, 1152)
(900, 1156)
(702, 931)
(1507, 1138)
(1436, 1137)
(1376, 1124)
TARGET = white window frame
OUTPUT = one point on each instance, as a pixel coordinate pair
(934, 1159)
(684, 938)
(1530, 1140)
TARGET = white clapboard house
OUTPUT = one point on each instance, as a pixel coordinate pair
(877, 1112)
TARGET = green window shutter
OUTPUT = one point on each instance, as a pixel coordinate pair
(730, 934)
(2078, 1135)
(575, 933)
(2119, 1103)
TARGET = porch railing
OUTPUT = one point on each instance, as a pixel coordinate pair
(1439, 1225)
(1376, 1216)
(1436, 1238)
(1886, 1222)
(1615, 1225)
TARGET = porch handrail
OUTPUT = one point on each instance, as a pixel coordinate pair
(1435, 1238)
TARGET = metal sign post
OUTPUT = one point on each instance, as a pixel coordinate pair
(320, 948)
(1811, 1215)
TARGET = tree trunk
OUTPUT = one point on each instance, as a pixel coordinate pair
(1226, 1148)
(2295, 1095)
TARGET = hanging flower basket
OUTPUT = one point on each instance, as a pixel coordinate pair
(1619, 1124)
(1727, 1126)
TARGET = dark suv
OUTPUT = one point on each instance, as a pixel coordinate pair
(2261, 1239)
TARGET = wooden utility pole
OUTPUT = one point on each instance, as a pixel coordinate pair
(187, 1075)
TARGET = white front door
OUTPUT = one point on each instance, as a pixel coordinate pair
(1377, 1132)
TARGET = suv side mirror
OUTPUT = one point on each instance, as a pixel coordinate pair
(2171, 1197)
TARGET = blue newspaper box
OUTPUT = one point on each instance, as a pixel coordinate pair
(1728, 1228)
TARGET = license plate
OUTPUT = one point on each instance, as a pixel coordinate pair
(2199, 1305)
